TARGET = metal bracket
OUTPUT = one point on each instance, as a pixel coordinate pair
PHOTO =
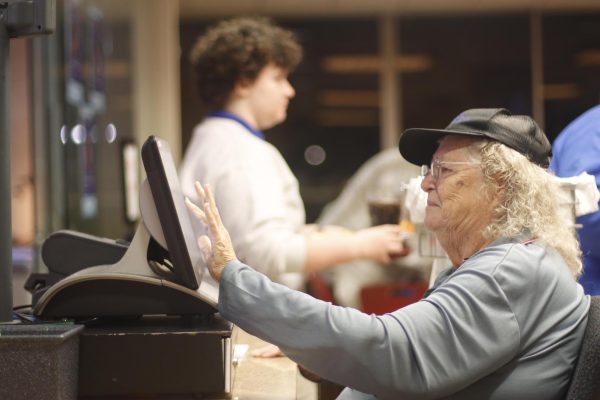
(17, 18)
(28, 17)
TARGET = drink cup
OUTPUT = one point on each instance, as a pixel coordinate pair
(384, 212)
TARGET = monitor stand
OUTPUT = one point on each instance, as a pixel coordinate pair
(140, 283)
(145, 334)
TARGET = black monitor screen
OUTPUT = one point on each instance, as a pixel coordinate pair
(172, 211)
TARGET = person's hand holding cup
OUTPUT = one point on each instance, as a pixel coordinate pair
(385, 208)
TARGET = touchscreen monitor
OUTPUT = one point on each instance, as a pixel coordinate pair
(176, 224)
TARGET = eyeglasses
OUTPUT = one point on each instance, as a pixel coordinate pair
(437, 167)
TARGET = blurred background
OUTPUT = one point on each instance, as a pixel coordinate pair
(85, 98)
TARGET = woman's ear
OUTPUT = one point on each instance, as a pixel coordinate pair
(242, 87)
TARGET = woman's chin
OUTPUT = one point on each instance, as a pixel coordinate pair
(431, 220)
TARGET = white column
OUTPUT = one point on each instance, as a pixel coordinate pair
(389, 81)
(156, 82)
(537, 69)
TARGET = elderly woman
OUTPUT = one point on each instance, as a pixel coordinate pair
(505, 321)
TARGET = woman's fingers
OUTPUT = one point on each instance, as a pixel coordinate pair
(216, 248)
(213, 205)
(196, 211)
(205, 247)
(211, 221)
(268, 351)
(200, 192)
(203, 199)
(210, 215)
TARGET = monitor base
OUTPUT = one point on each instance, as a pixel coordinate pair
(135, 285)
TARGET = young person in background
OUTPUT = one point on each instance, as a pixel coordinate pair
(241, 67)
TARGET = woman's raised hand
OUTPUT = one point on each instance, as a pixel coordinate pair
(216, 247)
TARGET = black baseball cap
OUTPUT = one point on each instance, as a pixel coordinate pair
(519, 132)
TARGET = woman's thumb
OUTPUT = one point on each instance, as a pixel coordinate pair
(205, 247)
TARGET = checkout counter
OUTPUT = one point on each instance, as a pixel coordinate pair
(146, 311)
(274, 378)
(266, 378)
(252, 378)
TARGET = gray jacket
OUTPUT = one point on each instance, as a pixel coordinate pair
(507, 324)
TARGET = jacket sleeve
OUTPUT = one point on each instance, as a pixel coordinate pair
(427, 350)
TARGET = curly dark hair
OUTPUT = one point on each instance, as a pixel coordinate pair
(239, 48)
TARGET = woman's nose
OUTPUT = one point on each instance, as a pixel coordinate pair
(428, 183)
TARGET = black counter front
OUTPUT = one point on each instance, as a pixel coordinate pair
(158, 356)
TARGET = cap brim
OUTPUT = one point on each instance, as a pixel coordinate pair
(417, 145)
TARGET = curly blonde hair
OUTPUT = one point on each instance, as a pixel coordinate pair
(528, 202)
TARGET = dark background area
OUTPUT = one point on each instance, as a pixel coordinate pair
(473, 61)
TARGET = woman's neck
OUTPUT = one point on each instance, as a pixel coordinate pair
(239, 109)
(459, 247)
